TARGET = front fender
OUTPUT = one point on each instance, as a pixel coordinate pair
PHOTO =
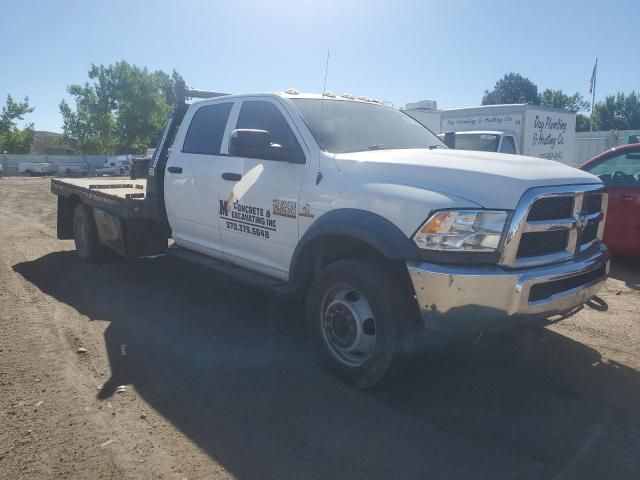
(370, 228)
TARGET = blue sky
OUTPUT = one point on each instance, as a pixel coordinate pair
(397, 50)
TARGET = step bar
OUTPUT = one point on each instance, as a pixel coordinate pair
(240, 274)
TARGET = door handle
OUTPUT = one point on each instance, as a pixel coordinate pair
(174, 169)
(233, 177)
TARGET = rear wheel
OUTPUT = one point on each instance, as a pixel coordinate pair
(360, 322)
(85, 234)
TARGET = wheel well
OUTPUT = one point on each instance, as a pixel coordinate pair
(327, 249)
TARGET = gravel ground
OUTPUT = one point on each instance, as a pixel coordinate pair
(219, 383)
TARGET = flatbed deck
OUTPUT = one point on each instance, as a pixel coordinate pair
(128, 219)
(123, 197)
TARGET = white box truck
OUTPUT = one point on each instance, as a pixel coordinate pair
(523, 129)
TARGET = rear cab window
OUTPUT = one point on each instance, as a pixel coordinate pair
(206, 129)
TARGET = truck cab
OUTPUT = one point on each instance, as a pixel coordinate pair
(483, 141)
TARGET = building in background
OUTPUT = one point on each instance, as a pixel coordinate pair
(49, 143)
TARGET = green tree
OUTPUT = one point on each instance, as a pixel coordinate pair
(617, 112)
(512, 88)
(558, 99)
(122, 110)
(583, 123)
(12, 138)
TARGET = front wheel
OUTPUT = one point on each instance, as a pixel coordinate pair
(360, 322)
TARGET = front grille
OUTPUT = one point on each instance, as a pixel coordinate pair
(534, 244)
(548, 225)
(543, 291)
(589, 234)
(551, 208)
(592, 203)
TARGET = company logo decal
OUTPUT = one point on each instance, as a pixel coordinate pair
(243, 218)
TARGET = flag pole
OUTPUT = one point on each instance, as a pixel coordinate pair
(593, 94)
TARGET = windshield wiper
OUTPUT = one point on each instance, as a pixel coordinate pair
(432, 147)
(384, 147)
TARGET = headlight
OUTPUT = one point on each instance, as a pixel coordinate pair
(462, 230)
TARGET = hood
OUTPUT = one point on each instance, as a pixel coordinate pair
(493, 180)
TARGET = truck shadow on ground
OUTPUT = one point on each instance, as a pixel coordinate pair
(628, 270)
(229, 366)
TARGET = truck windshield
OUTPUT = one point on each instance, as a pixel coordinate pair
(344, 126)
(477, 141)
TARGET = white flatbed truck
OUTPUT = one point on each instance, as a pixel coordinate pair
(358, 209)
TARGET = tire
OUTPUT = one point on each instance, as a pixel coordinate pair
(85, 234)
(360, 322)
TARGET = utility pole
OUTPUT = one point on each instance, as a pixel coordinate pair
(592, 91)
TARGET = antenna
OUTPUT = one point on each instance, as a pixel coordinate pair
(326, 71)
(324, 86)
(324, 89)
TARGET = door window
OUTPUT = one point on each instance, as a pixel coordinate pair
(207, 129)
(508, 145)
(622, 169)
(261, 115)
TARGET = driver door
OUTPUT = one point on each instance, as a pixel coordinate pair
(621, 174)
(259, 197)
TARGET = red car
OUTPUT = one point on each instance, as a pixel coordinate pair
(619, 169)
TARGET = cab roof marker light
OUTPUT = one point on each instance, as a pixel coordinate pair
(291, 91)
(363, 98)
(328, 94)
(347, 96)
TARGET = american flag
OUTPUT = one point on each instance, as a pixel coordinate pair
(593, 77)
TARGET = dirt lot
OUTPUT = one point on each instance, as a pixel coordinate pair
(219, 385)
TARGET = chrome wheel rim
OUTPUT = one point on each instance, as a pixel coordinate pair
(348, 325)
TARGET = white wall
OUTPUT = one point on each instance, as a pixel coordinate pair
(590, 144)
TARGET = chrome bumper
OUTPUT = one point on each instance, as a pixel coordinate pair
(490, 298)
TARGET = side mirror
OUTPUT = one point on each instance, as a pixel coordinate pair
(249, 143)
(257, 144)
(450, 139)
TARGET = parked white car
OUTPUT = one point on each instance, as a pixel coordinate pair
(73, 169)
(114, 168)
(36, 168)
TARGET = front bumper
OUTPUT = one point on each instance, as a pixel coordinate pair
(458, 298)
